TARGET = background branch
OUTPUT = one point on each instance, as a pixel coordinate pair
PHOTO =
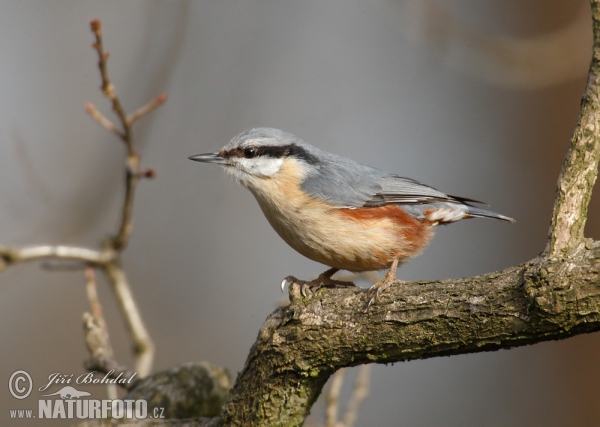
(108, 257)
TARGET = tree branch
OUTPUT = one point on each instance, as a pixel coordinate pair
(301, 345)
(580, 167)
(551, 297)
(10, 256)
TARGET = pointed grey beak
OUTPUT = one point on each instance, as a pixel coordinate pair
(209, 158)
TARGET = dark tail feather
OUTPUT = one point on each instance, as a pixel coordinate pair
(482, 213)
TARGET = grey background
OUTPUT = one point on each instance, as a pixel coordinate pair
(475, 98)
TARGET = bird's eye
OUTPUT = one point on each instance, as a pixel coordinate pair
(250, 152)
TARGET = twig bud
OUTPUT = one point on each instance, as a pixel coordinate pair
(96, 26)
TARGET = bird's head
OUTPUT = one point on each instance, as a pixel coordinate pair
(260, 154)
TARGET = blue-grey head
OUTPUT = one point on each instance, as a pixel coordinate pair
(260, 153)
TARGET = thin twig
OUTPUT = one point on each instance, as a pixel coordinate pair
(359, 394)
(108, 88)
(132, 171)
(144, 348)
(98, 341)
(142, 111)
(60, 252)
(95, 329)
(104, 122)
(333, 398)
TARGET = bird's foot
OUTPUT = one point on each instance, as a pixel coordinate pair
(375, 291)
(323, 281)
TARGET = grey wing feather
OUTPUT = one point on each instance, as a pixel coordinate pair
(342, 182)
(417, 199)
(346, 183)
(399, 190)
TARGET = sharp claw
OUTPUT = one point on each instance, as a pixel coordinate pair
(373, 292)
(303, 290)
(287, 281)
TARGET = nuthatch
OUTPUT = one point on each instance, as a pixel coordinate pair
(336, 211)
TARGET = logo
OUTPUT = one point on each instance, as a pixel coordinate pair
(70, 403)
(14, 384)
(69, 392)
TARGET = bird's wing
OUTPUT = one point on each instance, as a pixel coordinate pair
(423, 201)
(342, 182)
(395, 189)
(347, 184)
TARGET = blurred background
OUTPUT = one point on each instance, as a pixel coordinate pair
(475, 98)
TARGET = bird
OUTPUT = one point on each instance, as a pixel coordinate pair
(336, 211)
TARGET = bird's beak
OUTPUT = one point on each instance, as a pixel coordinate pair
(209, 158)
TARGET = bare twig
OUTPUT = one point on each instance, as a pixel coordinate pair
(107, 87)
(96, 332)
(143, 346)
(107, 258)
(142, 111)
(333, 398)
(132, 173)
(104, 122)
(60, 252)
(359, 394)
(132, 163)
(95, 329)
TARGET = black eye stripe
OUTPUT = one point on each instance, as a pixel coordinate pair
(273, 151)
(251, 151)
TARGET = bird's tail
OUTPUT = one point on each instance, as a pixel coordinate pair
(483, 213)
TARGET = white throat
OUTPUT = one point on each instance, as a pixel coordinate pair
(248, 171)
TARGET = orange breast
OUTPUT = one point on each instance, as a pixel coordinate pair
(412, 235)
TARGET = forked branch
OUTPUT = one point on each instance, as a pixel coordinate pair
(107, 258)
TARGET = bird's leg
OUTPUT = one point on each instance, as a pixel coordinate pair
(324, 279)
(375, 291)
